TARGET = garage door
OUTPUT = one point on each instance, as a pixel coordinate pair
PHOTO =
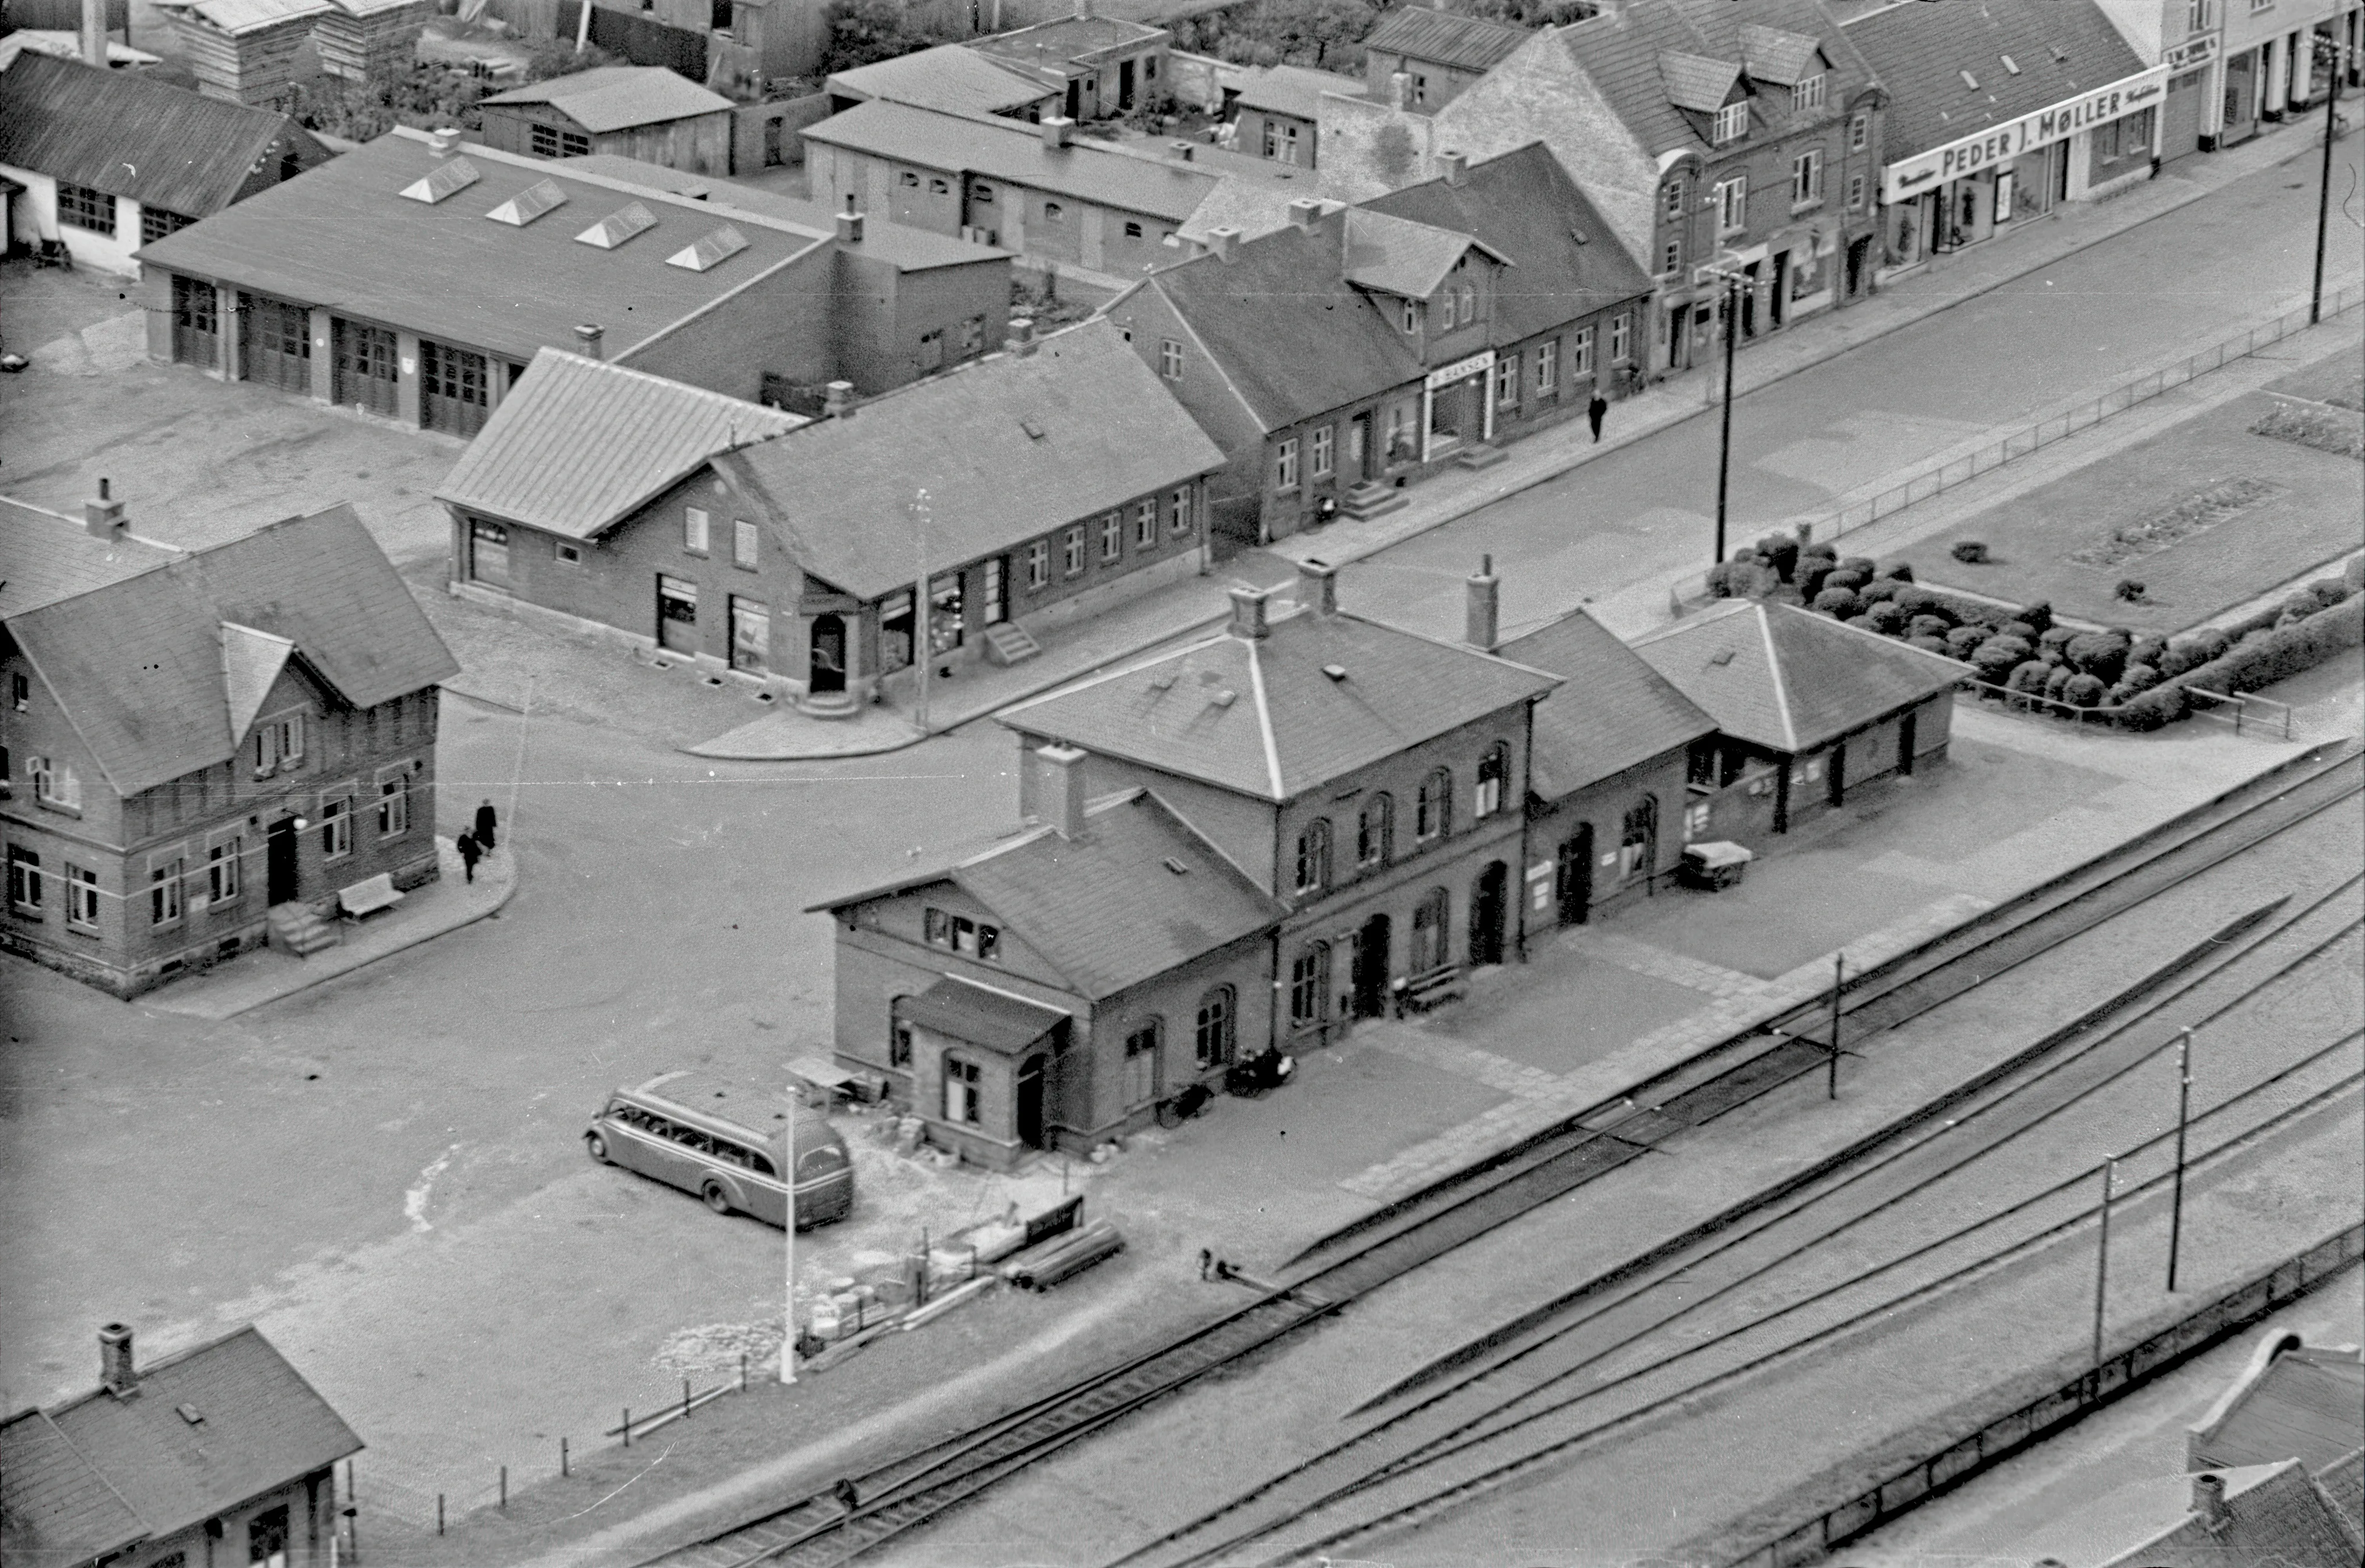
(197, 322)
(275, 343)
(365, 366)
(2179, 123)
(454, 396)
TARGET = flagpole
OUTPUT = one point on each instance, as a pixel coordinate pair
(789, 1178)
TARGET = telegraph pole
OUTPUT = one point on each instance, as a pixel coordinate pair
(2331, 50)
(2183, 1115)
(2103, 1259)
(1733, 282)
(789, 1178)
(1839, 967)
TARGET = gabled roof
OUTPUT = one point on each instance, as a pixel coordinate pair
(1788, 680)
(2342, 1485)
(1007, 448)
(143, 671)
(951, 78)
(1014, 152)
(344, 235)
(2274, 1516)
(259, 1425)
(131, 135)
(54, 1504)
(1399, 256)
(2292, 1400)
(1444, 38)
(1110, 910)
(1264, 717)
(1694, 82)
(1922, 52)
(51, 558)
(1775, 55)
(1613, 711)
(238, 18)
(1294, 90)
(618, 97)
(579, 444)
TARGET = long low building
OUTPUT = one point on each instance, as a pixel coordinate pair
(392, 279)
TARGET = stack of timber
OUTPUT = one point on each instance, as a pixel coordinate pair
(1040, 1268)
(369, 40)
(244, 49)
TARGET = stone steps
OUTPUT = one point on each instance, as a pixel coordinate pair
(295, 928)
(1007, 642)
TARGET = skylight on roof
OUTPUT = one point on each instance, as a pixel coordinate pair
(710, 250)
(2009, 63)
(1971, 81)
(442, 181)
(528, 204)
(617, 227)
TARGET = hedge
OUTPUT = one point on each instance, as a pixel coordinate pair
(2282, 653)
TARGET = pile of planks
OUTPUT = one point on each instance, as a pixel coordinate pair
(1041, 1267)
(367, 41)
(245, 50)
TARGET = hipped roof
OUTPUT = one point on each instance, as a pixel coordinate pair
(618, 97)
(1612, 712)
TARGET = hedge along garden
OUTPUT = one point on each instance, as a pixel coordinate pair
(2134, 680)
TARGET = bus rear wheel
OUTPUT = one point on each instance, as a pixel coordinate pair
(716, 1198)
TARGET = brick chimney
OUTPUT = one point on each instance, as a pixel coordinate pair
(1317, 586)
(1481, 617)
(1056, 128)
(2209, 1502)
(444, 141)
(849, 229)
(1220, 240)
(586, 337)
(1454, 166)
(1057, 798)
(115, 1358)
(103, 517)
(838, 401)
(1249, 612)
(1400, 89)
(1186, 151)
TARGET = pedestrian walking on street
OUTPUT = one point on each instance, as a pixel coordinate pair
(466, 845)
(1595, 412)
(486, 822)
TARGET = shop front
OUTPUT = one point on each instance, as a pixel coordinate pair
(2185, 124)
(1455, 411)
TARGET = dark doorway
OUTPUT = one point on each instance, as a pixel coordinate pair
(1075, 99)
(1836, 777)
(828, 671)
(1029, 1122)
(1371, 998)
(279, 862)
(1905, 737)
(1777, 300)
(1125, 84)
(1857, 253)
(1573, 876)
(1489, 903)
(1748, 303)
(677, 614)
(1366, 461)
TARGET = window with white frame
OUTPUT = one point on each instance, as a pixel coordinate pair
(2200, 16)
(1622, 337)
(84, 207)
(976, 939)
(1671, 258)
(1733, 203)
(1170, 360)
(55, 784)
(1493, 770)
(1145, 521)
(1856, 193)
(961, 1091)
(1321, 447)
(1731, 123)
(1580, 353)
(1806, 93)
(25, 881)
(279, 743)
(1314, 856)
(81, 897)
(743, 543)
(1507, 381)
(1071, 550)
(1284, 463)
(166, 868)
(1179, 509)
(1672, 201)
(1548, 366)
(1112, 536)
(1859, 132)
(393, 801)
(224, 860)
(1806, 178)
(1039, 563)
(693, 529)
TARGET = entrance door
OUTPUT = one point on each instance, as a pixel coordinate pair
(828, 651)
(1857, 252)
(197, 322)
(1777, 303)
(365, 367)
(1363, 461)
(276, 343)
(279, 862)
(488, 553)
(1029, 1123)
(1836, 777)
(1573, 876)
(2180, 124)
(1371, 977)
(1489, 904)
(677, 614)
(1125, 84)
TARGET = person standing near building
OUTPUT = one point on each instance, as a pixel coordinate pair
(1595, 412)
(488, 822)
(466, 845)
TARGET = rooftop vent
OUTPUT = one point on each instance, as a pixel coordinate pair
(528, 204)
(2009, 63)
(1174, 864)
(1033, 432)
(1224, 699)
(617, 227)
(190, 1413)
(442, 181)
(1971, 81)
(1336, 672)
(710, 250)
(1722, 656)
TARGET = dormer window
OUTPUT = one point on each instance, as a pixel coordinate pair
(1806, 93)
(1732, 124)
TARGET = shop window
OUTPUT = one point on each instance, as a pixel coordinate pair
(751, 635)
(1376, 830)
(165, 870)
(1321, 457)
(1732, 124)
(1141, 1065)
(1433, 814)
(962, 1097)
(1212, 1040)
(1170, 360)
(23, 882)
(895, 629)
(971, 938)
(945, 623)
(81, 897)
(1309, 985)
(1285, 465)
(86, 209)
(1145, 522)
(1314, 856)
(1494, 769)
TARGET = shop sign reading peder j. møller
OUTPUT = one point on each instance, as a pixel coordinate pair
(1909, 176)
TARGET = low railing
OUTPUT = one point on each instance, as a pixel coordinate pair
(2273, 714)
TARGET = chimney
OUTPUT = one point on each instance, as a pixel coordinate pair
(104, 518)
(1248, 612)
(1055, 130)
(444, 141)
(1454, 166)
(1181, 148)
(2209, 1502)
(1084, 9)
(115, 1358)
(586, 337)
(1317, 586)
(838, 401)
(1021, 342)
(1058, 793)
(1482, 618)
(1400, 89)
(849, 229)
(93, 33)
(1220, 240)
(1305, 213)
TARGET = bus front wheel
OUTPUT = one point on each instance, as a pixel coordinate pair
(716, 1198)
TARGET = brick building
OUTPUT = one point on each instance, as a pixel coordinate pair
(1438, 54)
(642, 112)
(201, 749)
(222, 1454)
(1276, 112)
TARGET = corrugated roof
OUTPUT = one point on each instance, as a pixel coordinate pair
(1613, 711)
(2305, 1403)
(1261, 717)
(261, 1425)
(138, 664)
(839, 493)
(618, 97)
(1788, 680)
(1444, 38)
(52, 557)
(1293, 89)
(2342, 1485)
(1921, 52)
(342, 236)
(55, 1507)
(238, 17)
(579, 444)
(1696, 82)
(131, 135)
(1399, 256)
(951, 78)
(1015, 153)
(1772, 55)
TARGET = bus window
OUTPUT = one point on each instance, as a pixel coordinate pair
(730, 1153)
(763, 1165)
(690, 1137)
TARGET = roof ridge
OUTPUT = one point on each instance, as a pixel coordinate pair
(1781, 687)
(1265, 723)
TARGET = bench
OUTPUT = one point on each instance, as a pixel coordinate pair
(1430, 988)
(368, 896)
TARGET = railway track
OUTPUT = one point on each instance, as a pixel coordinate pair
(898, 1496)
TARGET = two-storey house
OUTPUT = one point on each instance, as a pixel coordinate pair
(200, 753)
(2188, 37)
(1356, 348)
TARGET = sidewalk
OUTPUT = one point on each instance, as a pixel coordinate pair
(425, 912)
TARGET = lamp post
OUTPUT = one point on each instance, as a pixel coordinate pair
(2329, 50)
(789, 1178)
(2183, 1115)
(2103, 1259)
(1733, 283)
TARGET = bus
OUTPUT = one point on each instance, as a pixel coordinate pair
(726, 1143)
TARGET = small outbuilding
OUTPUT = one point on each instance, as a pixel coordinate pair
(642, 112)
(245, 50)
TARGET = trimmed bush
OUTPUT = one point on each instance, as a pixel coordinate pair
(2020, 629)
(2101, 655)
(1885, 619)
(1846, 578)
(2029, 676)
(1995, 662)
(2163, 705)
(2129, 590)
(1780, 552)
(1930, 626)
(1880, 591)
(1927, 645)
(2146, 649)
(2278, 655)
(2055, 638)
(2085, 690)
(1902, 572)
(2057, 679)
(2328, 591)
(2179, 657)
(2139, 678)
(1837, 602)
(1969, 552)
(1964, 641)
(1863, 565)
(2214, 642)
(1915, 601)
(2039, 615)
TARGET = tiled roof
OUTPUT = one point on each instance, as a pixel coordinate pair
(1771, 54)
(975, 1016)
(618, 97)
(138, 664)
(1523, 205)
(1109, 910)
(951, 78)
(579, 444)
(343, 236)
(1613, 711)
(2273, 1517)
(1442, 38)
(1253, 207)
(131, 135)
(2342, 1485)
(1694, 82)
(2293, 1401)
(1015, 153)
(1788, 680)
(55, 1507)
(1399, 256)
(260, 1426)
(1264, 717)
(52, 557)
(839, 493)
(2062, 48)
(1623, 48)
(1293, 89)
